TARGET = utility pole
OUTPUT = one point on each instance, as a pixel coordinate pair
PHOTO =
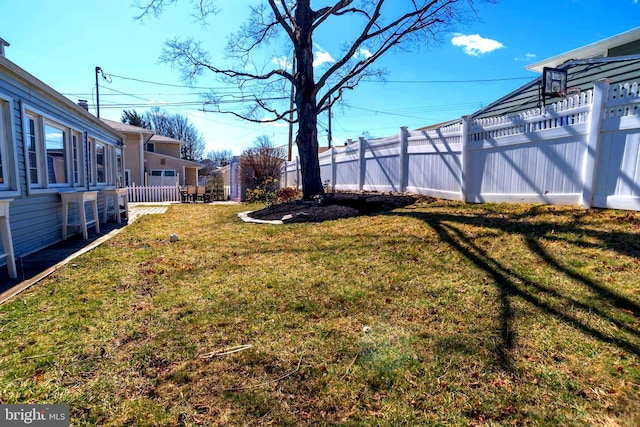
(329, 123)
(293, 73)
(98, 70)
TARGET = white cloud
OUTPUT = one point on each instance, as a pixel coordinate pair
(365, 53)
(282, 62)
(527, 57)
(475, 45)
(322, 57)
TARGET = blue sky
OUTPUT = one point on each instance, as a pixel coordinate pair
(61, 43)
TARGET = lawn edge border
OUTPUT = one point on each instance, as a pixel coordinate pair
(244, 216)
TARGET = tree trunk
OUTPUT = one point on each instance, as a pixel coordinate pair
(305, 99)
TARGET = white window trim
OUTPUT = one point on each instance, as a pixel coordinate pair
(80, 164)
(11, 187)
(40, 119)
(119, 171)
(97, 142)
(38, 131)
(67, 150)
(93, 159)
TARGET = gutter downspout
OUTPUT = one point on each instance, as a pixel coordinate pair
(141, 162)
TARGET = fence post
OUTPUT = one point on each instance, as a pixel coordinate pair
(333, 168)
(297, 173)
(464, 161)
(361, 163)
(285, 174)
(590, 168)
(404, 159)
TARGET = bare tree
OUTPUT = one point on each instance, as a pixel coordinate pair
(159, 121)
(178, 127)
(220, 157)
(382, 26)
(261, 162)
(182, 129)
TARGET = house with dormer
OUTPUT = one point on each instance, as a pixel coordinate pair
(154, 160)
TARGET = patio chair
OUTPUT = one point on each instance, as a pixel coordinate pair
(184, 193)
(200, 192)
(207, 196)
(191, 192)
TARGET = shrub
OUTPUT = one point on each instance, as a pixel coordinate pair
(288, 194)
(215, 186)
(265, 192)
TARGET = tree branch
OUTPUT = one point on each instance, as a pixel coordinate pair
(156, 7)
(281, 20)
(277, 116)
(187, 55)
(354, 48)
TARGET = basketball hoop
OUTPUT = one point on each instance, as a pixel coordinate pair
(554, 82)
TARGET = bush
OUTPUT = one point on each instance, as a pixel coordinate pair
(288, 194)
(265, 192)
(215, 186)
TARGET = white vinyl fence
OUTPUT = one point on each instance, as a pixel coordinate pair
(584, 150)
(154, 194)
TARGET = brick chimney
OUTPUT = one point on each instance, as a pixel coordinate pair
(83, 103)
(3, 43)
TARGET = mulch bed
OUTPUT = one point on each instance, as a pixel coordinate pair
(334, 206)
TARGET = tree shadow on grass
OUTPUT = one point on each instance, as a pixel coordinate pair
(611, 307)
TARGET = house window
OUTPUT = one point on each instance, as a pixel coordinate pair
(119, 168)
(91, 150)
(3, 148)
(49, 152)
(163, 172)
(151, 147)
(101, 163)
(76, 149)
(56, 155)
(8, 168)
(30, 139)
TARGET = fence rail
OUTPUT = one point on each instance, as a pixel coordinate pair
(154, 194)
(583, 150)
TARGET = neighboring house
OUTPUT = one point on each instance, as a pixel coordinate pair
(154, 159)
(48, 145)
(616, 59)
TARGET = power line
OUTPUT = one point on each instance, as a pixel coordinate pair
(364, 80)
(449, 81)
(166, 84)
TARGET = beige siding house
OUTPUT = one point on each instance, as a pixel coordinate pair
(154, 159)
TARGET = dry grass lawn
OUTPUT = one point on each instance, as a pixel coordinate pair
(435, 314)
